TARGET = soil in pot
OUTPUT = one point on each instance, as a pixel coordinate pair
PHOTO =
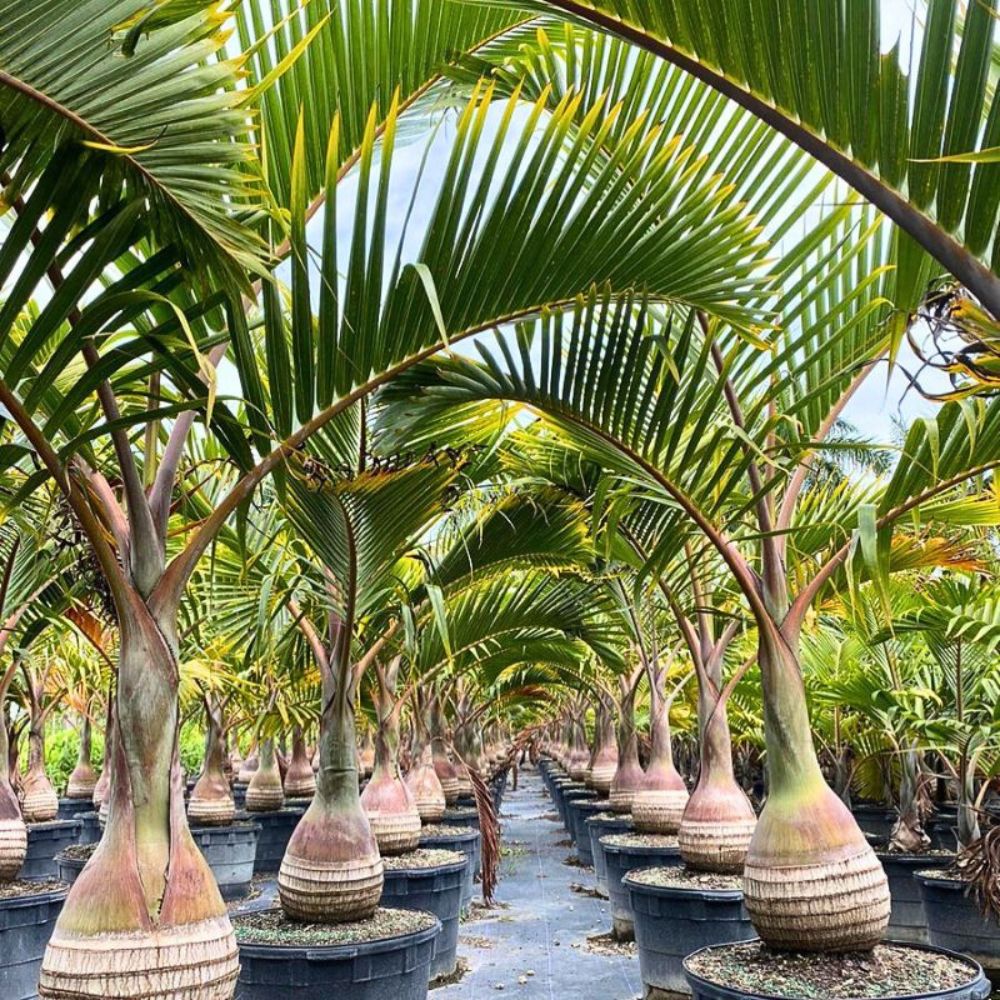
(955, 921)
(432, 881)
(387, 955)
(889, 971)
(28, 912)
(625, 852)
(908, 922)
(676, 911)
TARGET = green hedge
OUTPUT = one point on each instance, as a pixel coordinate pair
(62, 745)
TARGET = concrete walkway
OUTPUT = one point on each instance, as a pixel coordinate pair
(534, 946)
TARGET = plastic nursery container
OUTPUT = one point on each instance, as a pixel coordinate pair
(978, 987)
(396, 968)
(26, 924)
(671, 922)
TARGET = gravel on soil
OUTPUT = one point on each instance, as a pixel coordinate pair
(638, 840)
(605, 817)
(77, 852)
(423, 857)
(685, 878)
(442, 830)
(888, 971)
(16, 890)
(272, 927)
(462, 813)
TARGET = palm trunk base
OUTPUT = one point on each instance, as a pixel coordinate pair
(197, 961)
(396, 832)
(466, 789)
(716, 844)
(40, 803)
(82, 783)
(263, 797)
(211, 811)
(300, 786)
(601, 776)
(13, 848)
(659, 810)
(835, 905)
(427, 792)
(332, 891)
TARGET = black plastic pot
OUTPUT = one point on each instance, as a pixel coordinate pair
(581, 810)
(68, 868)
(942, 828)
(597, 828)
(275, 831)
(394, 969)
(569, 797)
(239, 794)
(461, 817)
(72, 808)
(671, 923)
(45, 841)
(231, 852)
(907, 921)
(26, 924)
(621, 861)
(874, 819)
(978, 987)
(955, 922)
(468, 843)
(90, 827)
(560, 786)
(433, 890)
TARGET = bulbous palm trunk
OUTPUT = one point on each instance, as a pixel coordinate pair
(145, 917)
(366, 755)
(248, 768)
(629, 776)
(657, 807)
(265, 792)
(300, 780)
(445, 771)
(908, 833)
(39, 801)
(718, 821)
(604, 762)
(812, 882)
(211, 802)
(579, 758)
(83, 779)
(426, 789)
(392, 810)
(332, 870)
(13, 832)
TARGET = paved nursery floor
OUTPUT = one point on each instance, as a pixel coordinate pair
(535, 945)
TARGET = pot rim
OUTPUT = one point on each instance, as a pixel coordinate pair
(925, 859)
(340, 952)
(31, 898)
(639, 849)
(674, 891)
(457, 838)
(430, 872)
(977, 970)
